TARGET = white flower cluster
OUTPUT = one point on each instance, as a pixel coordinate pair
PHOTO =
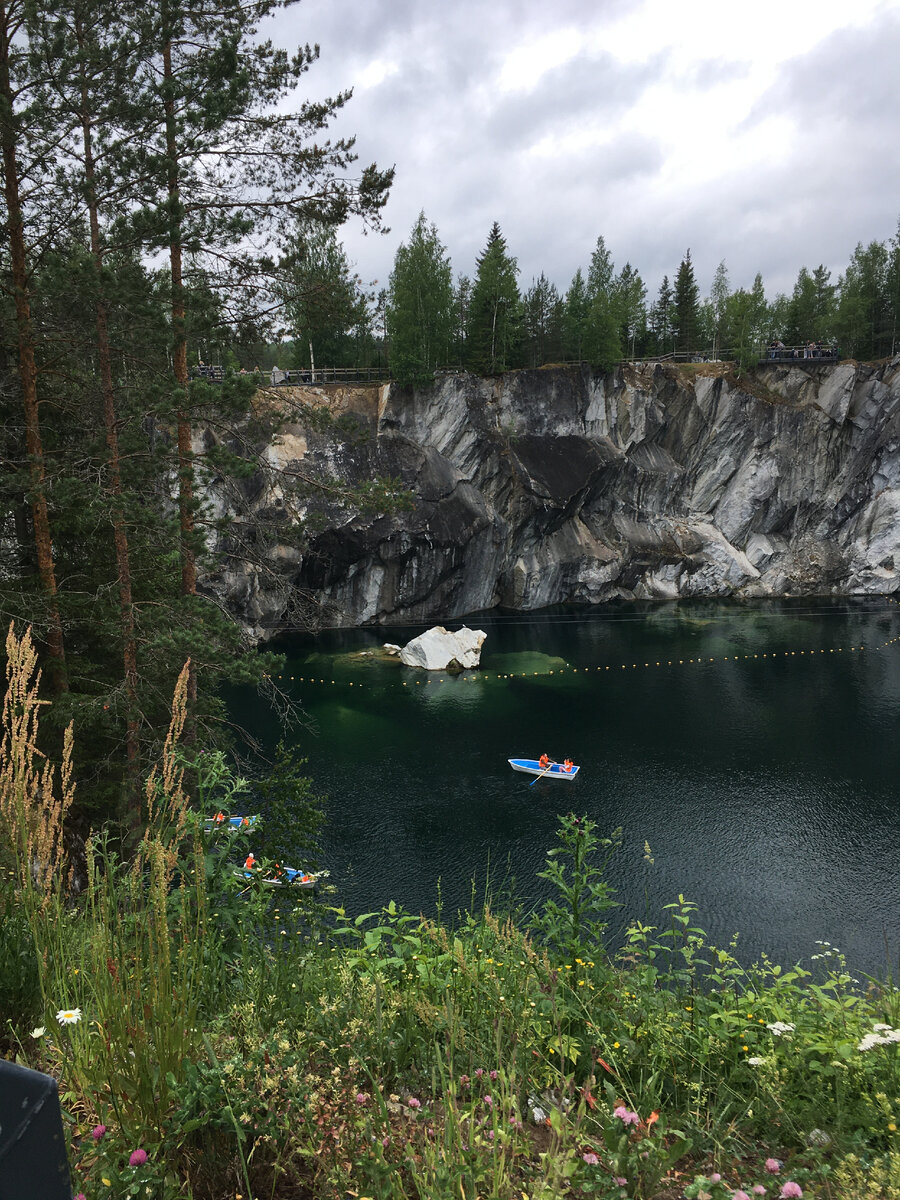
(881, 1035)
(756, 1061)
(781, 1028)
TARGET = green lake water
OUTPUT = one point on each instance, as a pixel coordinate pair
(766, 787)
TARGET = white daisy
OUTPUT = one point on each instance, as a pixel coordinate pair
(69, 1016)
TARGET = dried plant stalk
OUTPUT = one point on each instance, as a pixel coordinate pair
(31, 814)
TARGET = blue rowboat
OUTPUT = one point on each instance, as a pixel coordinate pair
(232, 824)
(531, 766)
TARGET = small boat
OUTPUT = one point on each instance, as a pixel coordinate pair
(531, 766)
(280, 877)
(231, 824)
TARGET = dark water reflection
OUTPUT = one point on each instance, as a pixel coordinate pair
(766, 788)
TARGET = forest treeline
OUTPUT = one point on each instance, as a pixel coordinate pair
(425, 320)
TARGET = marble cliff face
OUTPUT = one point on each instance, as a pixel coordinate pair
(559, 485)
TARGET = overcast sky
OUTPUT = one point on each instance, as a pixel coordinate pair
(764, 133)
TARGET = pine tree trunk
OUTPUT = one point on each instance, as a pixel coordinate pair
(27, 369)
(120, 536)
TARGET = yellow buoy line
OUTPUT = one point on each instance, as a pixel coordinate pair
(492, 677)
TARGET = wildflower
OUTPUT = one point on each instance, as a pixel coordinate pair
(69, 1016)
(780, 1028)
(362, 1098)
(745, 1047)
(463, 1081)
(715, 1177)
(755, 1061)
(892, 1126)
(494, 1075)
(81, 1196)
(490, 1135)
(739, 1195)
(38, 1033)
(137, 1158)
(791, 1189)
(412, 1102)
(591, 1159)
(97, 1132)
(615, 1045)
(773, 1166)
(758, 1190)
(626, 1116)
(479, 1072)
(489, 1100)
(385, 1141)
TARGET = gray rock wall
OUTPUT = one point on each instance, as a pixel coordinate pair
(555, 485)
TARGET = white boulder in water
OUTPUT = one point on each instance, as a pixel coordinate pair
(438, 648)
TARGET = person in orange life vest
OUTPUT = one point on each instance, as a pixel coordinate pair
(543, 762)
(568, 765)
(220, 817)
(250, 861)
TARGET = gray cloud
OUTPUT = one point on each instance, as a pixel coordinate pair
(465, 150)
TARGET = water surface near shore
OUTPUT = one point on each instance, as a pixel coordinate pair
(766, 787)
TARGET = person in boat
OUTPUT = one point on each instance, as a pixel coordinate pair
(544, 762)
(568, 766)
(250, 862)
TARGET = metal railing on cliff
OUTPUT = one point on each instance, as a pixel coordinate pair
(809, 353)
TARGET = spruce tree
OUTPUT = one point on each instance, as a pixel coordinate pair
(686, 306)
(494, 329)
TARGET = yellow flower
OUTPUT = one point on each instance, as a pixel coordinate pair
(892, 1127)
(106, 1182)
(749, 1016)
(615, 1045)
(745, 1047)
(689, 1008)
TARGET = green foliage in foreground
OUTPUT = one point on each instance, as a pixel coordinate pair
(257, 1042)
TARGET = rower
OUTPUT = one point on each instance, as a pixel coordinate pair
(543, 762)
(568, 766)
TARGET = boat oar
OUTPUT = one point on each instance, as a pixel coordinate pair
(543, 773)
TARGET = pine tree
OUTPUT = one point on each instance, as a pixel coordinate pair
(420, 306)
(462, 298)
(28, 149)
(542, 316)
(495, 322)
